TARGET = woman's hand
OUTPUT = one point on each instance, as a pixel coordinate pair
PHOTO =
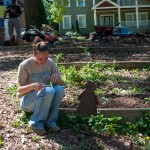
(37, 86)
(54, 78)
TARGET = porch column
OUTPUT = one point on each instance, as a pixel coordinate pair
(93, 2)
(119, 16)
(95, 18)
(137, 14)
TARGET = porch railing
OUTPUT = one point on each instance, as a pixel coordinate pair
(132, 2)
(142, 23)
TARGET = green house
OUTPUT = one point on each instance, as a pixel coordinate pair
(85, 14)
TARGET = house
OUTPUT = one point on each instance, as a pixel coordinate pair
(89, 13)
(22, 17)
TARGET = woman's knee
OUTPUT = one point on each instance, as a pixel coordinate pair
(49, 91)
(59, 89)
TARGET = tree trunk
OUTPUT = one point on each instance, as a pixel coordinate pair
(31, 8)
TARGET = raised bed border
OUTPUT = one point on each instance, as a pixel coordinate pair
(117, 64)
(128, 114)
(72, 50)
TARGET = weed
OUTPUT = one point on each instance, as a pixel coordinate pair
(23, 120)
(147, 98)
(114, 81)
(58, 58)
(35, 139)
(12, 90)
(41, 147)
(84, 146)
(16, 100)
(1, 141)
(105, 100)
(16, 123)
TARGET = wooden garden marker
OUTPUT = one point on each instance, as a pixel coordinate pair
(88, 100)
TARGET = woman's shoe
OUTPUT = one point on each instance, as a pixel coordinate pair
(39, 131)
(55, 129)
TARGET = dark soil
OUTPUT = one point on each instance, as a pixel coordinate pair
(22, 137)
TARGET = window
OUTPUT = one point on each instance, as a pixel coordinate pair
(67, 22)
(80, 3)
(131, 19)
(127, 2)
(82, 21)
(143, 18)
(107, 20)
(67, 3)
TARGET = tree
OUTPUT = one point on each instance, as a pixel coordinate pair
(57, 10)
(34, 13)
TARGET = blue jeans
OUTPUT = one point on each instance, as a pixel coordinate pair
(44, 106)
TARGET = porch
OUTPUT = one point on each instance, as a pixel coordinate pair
(144, 24)
(134, 14)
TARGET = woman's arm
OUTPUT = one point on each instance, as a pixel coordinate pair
(24, 89)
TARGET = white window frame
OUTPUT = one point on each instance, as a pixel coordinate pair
(134, 21)
(77, 4)
(107, 15)
(146, 21)
(82, 15)
(69, 16)
(68, 3)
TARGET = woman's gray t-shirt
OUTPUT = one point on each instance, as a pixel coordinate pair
(29, 71)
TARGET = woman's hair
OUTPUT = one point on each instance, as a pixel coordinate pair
(36, 40)
(40, 47)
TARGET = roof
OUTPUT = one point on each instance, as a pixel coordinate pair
(104, 4)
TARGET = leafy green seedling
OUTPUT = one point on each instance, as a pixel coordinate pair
(34, 139)
(1, 141)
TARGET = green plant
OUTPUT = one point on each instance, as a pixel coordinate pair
(143, 123)
(1, 141)
(39, 17)
(35, 139)
(58, 58)
(86, 50)
(84, 145)
(147, 98)
(16, 100)
(41, 146)
(111, 80)
(16, 123)
(13, 90)
(102, 125)
(137, 132)
(22, 120)
(105, 99)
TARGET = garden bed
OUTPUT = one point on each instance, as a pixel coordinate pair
(117, 89)
(16, 135)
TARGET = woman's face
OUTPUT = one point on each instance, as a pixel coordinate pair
(41, 57)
